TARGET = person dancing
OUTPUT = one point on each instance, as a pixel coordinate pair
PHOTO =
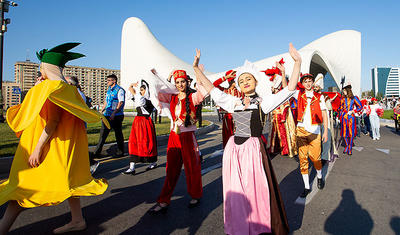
(51, 163)
(142, 142)
(252, 201)
(348, 105)
(182, 144)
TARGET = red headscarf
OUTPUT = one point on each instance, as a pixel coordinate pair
(180, 74)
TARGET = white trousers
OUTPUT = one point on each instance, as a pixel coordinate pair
(374, 120)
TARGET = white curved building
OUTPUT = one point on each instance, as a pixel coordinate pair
(337, 54)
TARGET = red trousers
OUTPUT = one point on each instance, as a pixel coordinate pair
(182, 149)
(227, 128)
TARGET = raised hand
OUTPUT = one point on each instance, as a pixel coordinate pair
(294, 53)
(196, 58)
(134, 84)
(280, 66)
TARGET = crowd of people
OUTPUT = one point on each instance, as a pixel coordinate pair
(264, 113)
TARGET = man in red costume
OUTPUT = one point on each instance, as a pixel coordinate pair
(311, 113)
(227, 120)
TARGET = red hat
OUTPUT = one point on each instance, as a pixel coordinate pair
(180, 74)
(230, 75)
(306, 75)
(373, 99)
(274, 70)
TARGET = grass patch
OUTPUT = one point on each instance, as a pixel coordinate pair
(388, 114)
(9, 142)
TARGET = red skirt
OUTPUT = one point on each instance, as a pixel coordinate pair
(142, 140)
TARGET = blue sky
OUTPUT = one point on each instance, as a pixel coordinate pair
(228, 32)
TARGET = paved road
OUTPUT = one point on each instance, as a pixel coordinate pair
(361, 196)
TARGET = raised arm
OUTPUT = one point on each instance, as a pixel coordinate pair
(281, 67)
(200, 77)
(296, 68)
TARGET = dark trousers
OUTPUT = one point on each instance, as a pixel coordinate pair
(115, 124)
(367, 124)
(358, 126)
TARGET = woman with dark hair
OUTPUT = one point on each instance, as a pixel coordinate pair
(142, 140)
(182, 144)
(348, 106)
(252, 200)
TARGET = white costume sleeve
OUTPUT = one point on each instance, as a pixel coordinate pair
(139, 100)
(121, 95)
(322, 104)
(272, 101)
(225, 101)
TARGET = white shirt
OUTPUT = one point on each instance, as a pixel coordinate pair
(374, 107)
(268, 103)
(307, 122)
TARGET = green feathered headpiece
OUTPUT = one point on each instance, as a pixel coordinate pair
(59, 55)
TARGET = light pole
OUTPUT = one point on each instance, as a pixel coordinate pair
(4, 6)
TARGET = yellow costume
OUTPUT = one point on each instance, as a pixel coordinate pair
(64, 171)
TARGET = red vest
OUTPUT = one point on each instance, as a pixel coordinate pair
(182, 116)
(315, 109)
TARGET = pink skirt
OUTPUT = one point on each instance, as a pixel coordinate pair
(245, 188)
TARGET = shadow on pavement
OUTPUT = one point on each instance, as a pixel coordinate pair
(395, 225)
(291, 186)
(120, 201)
(349, 217)
(393, 130)
(179, 216)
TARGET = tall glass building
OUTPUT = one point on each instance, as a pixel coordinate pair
(386, 81)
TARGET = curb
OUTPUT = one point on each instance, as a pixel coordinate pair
(108, 149)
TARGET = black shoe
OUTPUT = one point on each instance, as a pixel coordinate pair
(163, 209)
(194, 204)
(305, 193)
(320, 183)
(151, 167)
(129, 172)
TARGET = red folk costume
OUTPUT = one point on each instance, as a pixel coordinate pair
(282, 129)
(142, 140)
(227, 120)
(182, 144)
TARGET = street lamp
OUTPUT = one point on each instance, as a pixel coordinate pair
(4, 6)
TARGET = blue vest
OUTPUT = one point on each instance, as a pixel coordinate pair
(112, 101)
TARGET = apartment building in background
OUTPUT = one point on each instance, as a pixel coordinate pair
(92, 80)
(11, 94)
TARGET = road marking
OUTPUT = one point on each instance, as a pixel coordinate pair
(387, 151)
(213, 167)
(359, 149)
(304, 201)
(217, 153)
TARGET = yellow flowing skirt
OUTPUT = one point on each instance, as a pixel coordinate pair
(65, 169)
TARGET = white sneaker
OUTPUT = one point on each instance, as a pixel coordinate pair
(94, 166)
(377, 138)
